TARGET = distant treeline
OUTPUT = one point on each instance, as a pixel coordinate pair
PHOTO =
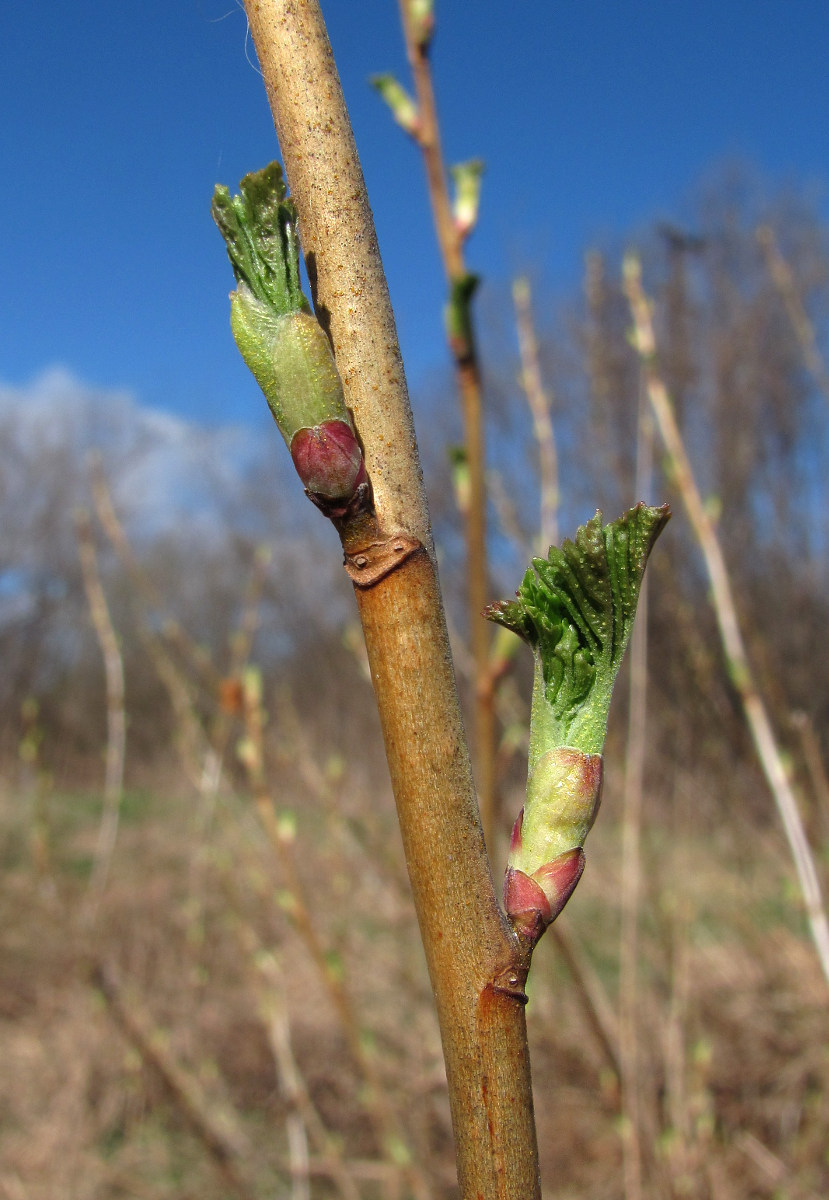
(196, 507)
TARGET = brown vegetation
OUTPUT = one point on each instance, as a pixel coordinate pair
(249, 1012)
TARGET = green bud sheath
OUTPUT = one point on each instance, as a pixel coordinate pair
(575, 609)
(403, 107)
(458, 314)
(283, 344)
(467, 180)
(291, 360)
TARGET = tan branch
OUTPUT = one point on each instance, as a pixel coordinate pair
(471, 953)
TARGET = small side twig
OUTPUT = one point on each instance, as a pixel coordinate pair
(503, 506)
(189, 733)
(770, 1167)
(595, 1006)
(813, 758)
(202, 749)
(171, 631)
(675, 1054)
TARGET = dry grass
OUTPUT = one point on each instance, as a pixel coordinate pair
(733, 1015)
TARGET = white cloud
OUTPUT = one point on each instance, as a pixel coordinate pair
(201, 487)
(162, 468)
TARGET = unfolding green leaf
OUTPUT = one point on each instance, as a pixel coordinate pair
(259, 229)
(575, 609)
(278, 336)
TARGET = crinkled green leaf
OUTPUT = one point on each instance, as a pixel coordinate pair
(277, 335)
(575, 609)
(259, 229)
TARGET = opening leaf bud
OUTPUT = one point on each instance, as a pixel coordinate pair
(284, 345)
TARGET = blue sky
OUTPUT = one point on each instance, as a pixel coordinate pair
(593, 117)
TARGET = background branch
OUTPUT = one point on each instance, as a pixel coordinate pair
(116, 717)
(725, 609)
(538, 401)
(470, 389)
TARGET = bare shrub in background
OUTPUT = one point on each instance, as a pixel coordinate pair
(192, 1092)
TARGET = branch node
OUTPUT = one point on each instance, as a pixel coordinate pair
(373, 562)
(510, 982)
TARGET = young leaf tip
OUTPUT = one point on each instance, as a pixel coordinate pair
(403, 108)
(467, 180)
(575, 610)
(259, 226)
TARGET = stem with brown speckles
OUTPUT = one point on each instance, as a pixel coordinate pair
(476, 964)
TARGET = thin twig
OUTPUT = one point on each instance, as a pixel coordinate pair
(188, 732)
(815, 765)
(786, 284)
(595, 1006)
(203, 753)
(230, 687)
(675, 1052)
(725, 609)
(773, 1171)
(303, 1114)
(631, 848)
(303, 1122)
(540, 407)
(171, 630)
(116, 717)
(595, 291)
(470, 387)
(503, 505)
(191, 739)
